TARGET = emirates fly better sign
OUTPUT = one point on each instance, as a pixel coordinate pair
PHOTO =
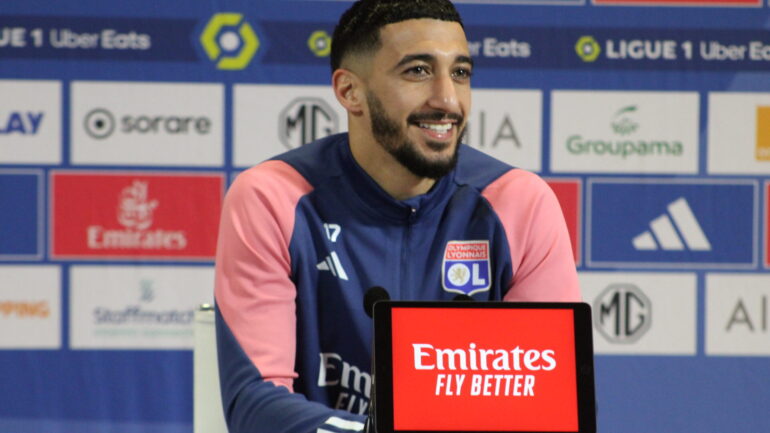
(484, 367)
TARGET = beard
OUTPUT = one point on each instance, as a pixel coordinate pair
(394, 140)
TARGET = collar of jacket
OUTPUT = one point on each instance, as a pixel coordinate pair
(378, 202)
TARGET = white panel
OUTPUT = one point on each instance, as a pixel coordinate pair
(507, 124)
(208, 415)
(738, 314)
(30, 307)
(642, 313)
(269, 120)
(126, 123)
(732, 133)
(30, 122)
(624, 132)
(136, 307)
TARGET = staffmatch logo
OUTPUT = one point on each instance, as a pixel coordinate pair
(466, 267)
(135, 215)
(441, 365)
(142, 307)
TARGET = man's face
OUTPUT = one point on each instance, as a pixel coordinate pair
(418, 94)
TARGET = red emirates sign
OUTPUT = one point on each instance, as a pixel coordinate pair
(129, 215)
(568, 193)
(447, 375)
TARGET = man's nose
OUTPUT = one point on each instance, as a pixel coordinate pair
(444, 95)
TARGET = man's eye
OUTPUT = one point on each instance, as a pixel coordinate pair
(463, 73)
(417, 70)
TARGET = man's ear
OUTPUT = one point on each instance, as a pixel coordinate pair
(348, 89)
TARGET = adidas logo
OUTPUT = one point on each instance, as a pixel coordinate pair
(673, 231)
(332, 263)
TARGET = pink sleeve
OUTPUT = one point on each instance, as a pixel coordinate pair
(253, 289)
(541, 254)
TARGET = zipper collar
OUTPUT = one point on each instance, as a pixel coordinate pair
(379, 203)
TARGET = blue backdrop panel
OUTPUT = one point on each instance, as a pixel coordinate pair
(535, 44)
(21, 219)
(622, 211)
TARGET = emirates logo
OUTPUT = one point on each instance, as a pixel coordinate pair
(134, 208)
(134, 213)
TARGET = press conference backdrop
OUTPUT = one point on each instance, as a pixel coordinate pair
(123, 123)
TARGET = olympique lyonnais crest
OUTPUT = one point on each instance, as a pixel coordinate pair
(466, 267)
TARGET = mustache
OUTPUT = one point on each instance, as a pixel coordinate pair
(435, 116)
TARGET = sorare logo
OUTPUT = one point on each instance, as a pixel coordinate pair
(125, 215)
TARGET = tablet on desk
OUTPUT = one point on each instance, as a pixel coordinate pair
(483, 367)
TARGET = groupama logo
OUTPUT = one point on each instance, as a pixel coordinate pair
(229, 40)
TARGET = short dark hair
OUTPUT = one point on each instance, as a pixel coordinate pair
(359, 27)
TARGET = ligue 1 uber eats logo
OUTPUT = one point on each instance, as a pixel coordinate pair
(229, 40)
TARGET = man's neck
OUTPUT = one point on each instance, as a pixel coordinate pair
(389, 174)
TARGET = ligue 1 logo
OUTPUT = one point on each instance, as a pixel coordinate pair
(466, 267)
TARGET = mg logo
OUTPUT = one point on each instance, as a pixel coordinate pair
(304, 120)
(622, 313)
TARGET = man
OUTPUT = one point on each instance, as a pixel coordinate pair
(303, 236)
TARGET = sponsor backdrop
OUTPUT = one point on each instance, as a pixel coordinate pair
(122, 124)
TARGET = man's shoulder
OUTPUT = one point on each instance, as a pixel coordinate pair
(491, 176)
(271, 180)
(302, 168)
(317, 160)
(477, 169)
